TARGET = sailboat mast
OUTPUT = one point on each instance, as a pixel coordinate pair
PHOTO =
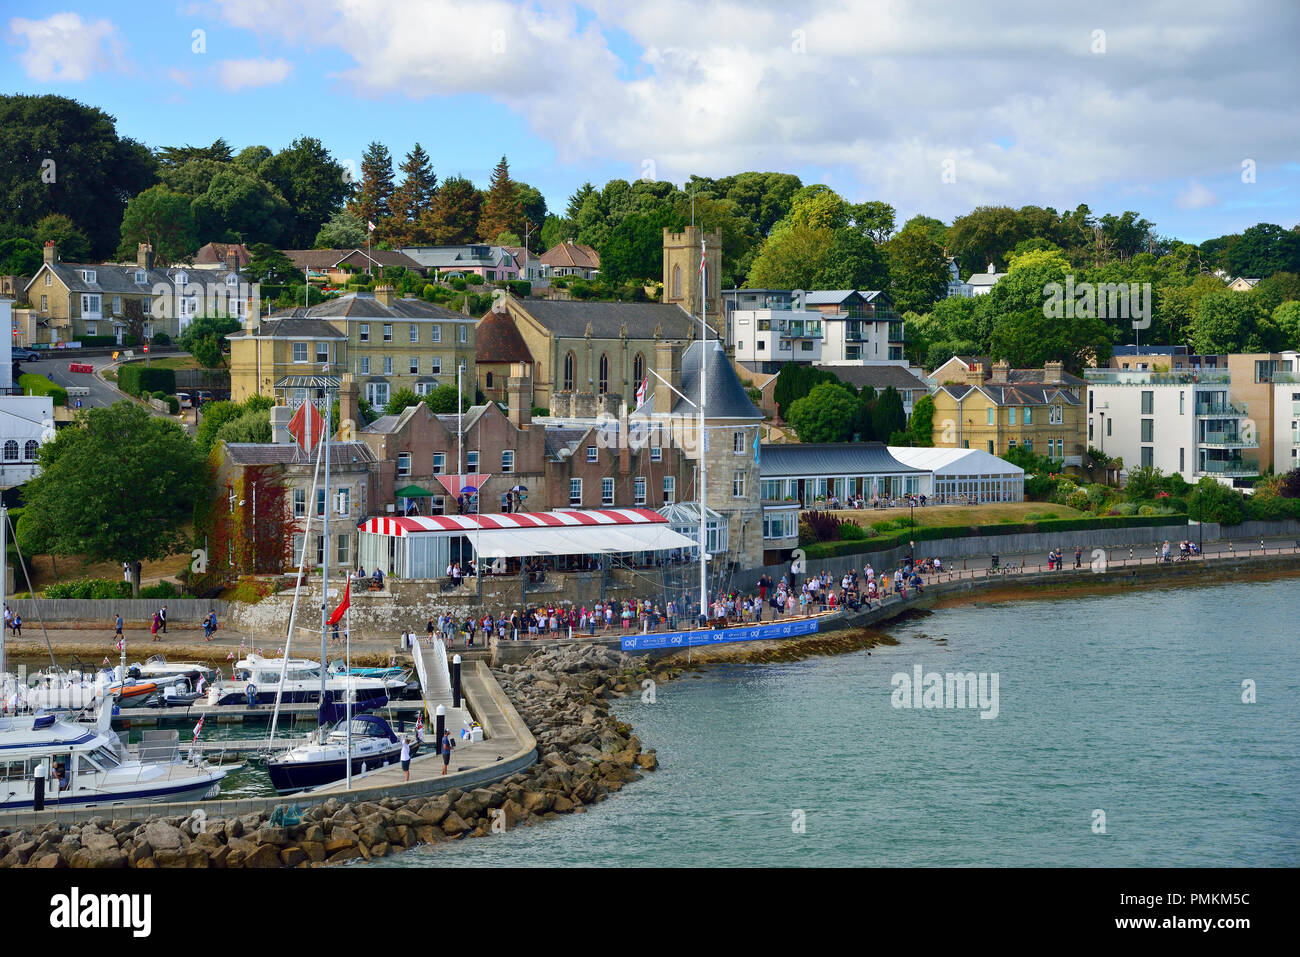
(325, 550)
(4, 580)
(704, 437)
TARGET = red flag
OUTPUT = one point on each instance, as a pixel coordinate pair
(307, 426)
(337, 614)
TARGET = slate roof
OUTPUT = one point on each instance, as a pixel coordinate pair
(290, 326)
(830, 458)
(496, 339)
(569, 320)
(477, 255)
(571, 254)
(119, 279)
(366, 306)
(878, 377)
(320, 259)
(232, 254)
(1017, 395)
(290, 453)
(563, 437)
(726, 397)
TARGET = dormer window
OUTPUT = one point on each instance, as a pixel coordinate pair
(88, 275)
(182, 277)
(141, 277)
(232, 279)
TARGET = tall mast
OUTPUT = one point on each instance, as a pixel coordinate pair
(704, 435)
(325, 550)
(4, 576)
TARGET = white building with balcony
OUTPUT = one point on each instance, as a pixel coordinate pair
(770, 327)
(1182, 422)
(768, 338)
(1286, 421)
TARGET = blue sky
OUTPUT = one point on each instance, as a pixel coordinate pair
(1154, 109)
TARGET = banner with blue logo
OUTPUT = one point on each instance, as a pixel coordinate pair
(694, 639)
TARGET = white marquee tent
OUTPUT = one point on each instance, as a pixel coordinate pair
(964, 473)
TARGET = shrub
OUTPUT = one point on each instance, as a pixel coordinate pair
(1123, 508)
(824, 526)
(538, 410)
(33, 384)
(173, 405)
(474, 279)
(850, 531)
(161, 590)
(90, 588)
(135, 378)
(162, 339)
(458, 283)
(520, 287)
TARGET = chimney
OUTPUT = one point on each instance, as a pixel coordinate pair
(668, 363)
(384, 294)
(1001, 372)
(349, 402)
(144, 256)
(519, 395)
(975, 375)
(51, 253)
(1052, 373)
(280, 417)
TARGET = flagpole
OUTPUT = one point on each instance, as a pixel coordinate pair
(323, 449)
(347, 668)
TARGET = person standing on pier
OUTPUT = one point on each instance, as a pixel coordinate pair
(406, 757)
(444, 748)
(162, 618)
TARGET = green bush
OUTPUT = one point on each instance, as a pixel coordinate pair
(474, 279)
(539, 411)
(160, 590)
(173, 405)
(520, 287)
(90, 588)
(1123, 508)
(135, 378)
(162, 339)
(457, 283)
(33, 384)
(850, 531)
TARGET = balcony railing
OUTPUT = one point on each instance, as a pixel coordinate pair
(1227, 410)
(897, 333)
(1126, 377)
(800, 330)
(1229, 440)
(1232, 466)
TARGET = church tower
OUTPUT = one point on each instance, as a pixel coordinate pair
(682, 271)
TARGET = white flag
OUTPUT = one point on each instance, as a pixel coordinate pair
(370, 225)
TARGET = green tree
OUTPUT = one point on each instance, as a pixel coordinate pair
(19, 257)
(921, 424)
(791, 258)
(1232, 322)
(163, 219)
(251, 425)
(59, 229)
(501, 207)
(371, 203)
(1287, 319)
(763, 198)
(411, 201)
(239, 205)
(251, 158)
(887, 415)
(170, 157)
(268, 265)
(403, 398)
(442, 400)
(344, 230)
(61, 156)
(934, 228)
(634, 248)
(76, 504)
(1211, 501)
(554, 231)
(1264, 249)
(874, 219)
(918, 270)
(985, 235)
(825, 414)
(313, 183)
(453, 217)
(853, 261)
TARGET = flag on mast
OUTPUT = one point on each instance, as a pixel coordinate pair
(640, 392)
(307, 426)
(337, 614)
(198, 728)
(370, 226)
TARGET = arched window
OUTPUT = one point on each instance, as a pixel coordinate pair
(604, 373)
(11, 451)
(638, 370)
(488, 383)
(677, 282)
(569, 365)
(29, 451)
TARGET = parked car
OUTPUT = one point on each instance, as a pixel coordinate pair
(184, 399)
(29, 356)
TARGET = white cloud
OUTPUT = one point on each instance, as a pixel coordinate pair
(877, 93)
(237, 74)
(63, 47)
(1195, 196)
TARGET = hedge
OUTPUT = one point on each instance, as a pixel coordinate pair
(33, 384)
(88, 341)
(135, 378)
(90, 588)
(930, 533)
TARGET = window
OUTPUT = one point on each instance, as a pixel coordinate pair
(45, 301)
(300, 352)
(1148, 403)
(415, 333)
(604, 374)
(320, 549)
(1109, 423)
(141, 278)
(677, 282)
(363, 365)
(738, 478)
(90, 328)
(471, 461)
(49, 280)
(90, 303)
(388, 332)
(439, 463)
(1028, 416)
(299, 543)
(990, 446)
(1182, 396)
(1148, 456)
(656, 453)
(437, 333)
(606, 491)
(992, 412)
(1011, 416)
(343, 554)
(117, 305)
(592, 454)
(322, 352)
(363, 332)
(507, 460)
(569, 363)
(11, 451)
(638, 490)
(762, 347)
(299, 502)
(320, 502)
(29, 450)
(463, 333)
(377, 394)
(638, 370)
(738, 443)
(435, 365)
(1148, 428)
(575, 492)
(89, 276)
(1181, 454)
(670, 489)
(1056, 415)
(388, 365)
(487, 381)
(403, 464)
(415, 365)
(343, 502)
(806, 346)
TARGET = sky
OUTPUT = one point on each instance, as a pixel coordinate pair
(1183, 110)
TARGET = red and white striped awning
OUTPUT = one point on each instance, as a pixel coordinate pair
(561, 532)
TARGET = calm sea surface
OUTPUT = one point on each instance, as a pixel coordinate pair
(1128, 704)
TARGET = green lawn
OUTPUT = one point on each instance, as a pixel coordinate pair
(171, 362)
(962, 515)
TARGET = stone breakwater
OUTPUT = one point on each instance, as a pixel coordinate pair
(586, 755)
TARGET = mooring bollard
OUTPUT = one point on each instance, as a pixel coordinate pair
(455, 684)
(440, 723)
(38, 797)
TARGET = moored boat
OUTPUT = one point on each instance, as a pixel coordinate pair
(324, 759)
